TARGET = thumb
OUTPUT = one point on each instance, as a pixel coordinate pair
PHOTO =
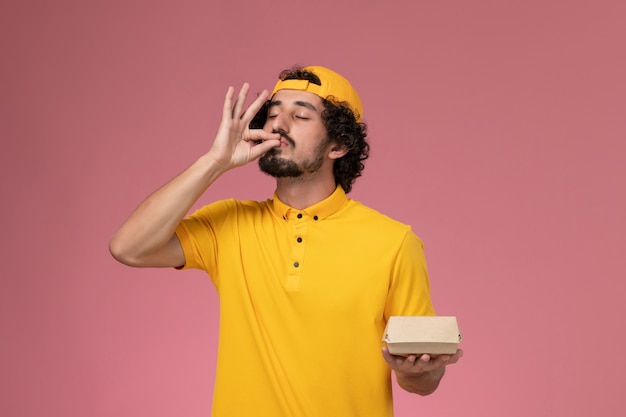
(261, 148)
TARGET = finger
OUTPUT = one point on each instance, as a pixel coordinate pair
(256, 105)
(394, 361)
(227, 111)
(263, 147)
(389, 358)
(262, 135)
(425, 357)
(455, 358)
(241, 100)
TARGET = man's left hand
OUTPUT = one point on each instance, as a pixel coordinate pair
(420, 373)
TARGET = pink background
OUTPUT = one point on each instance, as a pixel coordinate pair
(498, 132)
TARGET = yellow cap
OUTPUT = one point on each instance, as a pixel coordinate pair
(333, 85)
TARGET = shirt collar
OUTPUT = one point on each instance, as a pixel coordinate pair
(318, 211)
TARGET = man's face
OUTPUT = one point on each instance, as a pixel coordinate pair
(297, 116)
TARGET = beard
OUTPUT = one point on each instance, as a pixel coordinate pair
(278, 167)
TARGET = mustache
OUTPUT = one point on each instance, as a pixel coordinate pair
(285, 136)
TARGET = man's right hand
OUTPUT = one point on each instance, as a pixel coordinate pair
(235, 143)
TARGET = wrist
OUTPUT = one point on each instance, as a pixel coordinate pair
(211, 167)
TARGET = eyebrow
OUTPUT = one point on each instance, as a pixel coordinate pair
(297, 103)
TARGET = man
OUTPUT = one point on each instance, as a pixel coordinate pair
(308, 279)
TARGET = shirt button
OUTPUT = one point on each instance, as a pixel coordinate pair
(296, 264)
(315, 217)
(299, 215)
(299, 239)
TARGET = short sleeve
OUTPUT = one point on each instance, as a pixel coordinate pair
(409, 291)
(197, 234)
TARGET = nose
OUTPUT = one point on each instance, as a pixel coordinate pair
(279, 123)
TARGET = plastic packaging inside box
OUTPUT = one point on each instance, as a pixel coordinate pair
(406, 335)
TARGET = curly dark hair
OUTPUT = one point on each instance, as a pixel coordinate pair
(341, 126)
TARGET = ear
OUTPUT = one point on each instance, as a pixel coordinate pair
(337, 151)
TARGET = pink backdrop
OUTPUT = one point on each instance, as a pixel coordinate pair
(498, 131)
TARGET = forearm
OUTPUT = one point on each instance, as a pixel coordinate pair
(152, 224)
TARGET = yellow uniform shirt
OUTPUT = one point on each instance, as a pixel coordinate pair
(304, 299)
